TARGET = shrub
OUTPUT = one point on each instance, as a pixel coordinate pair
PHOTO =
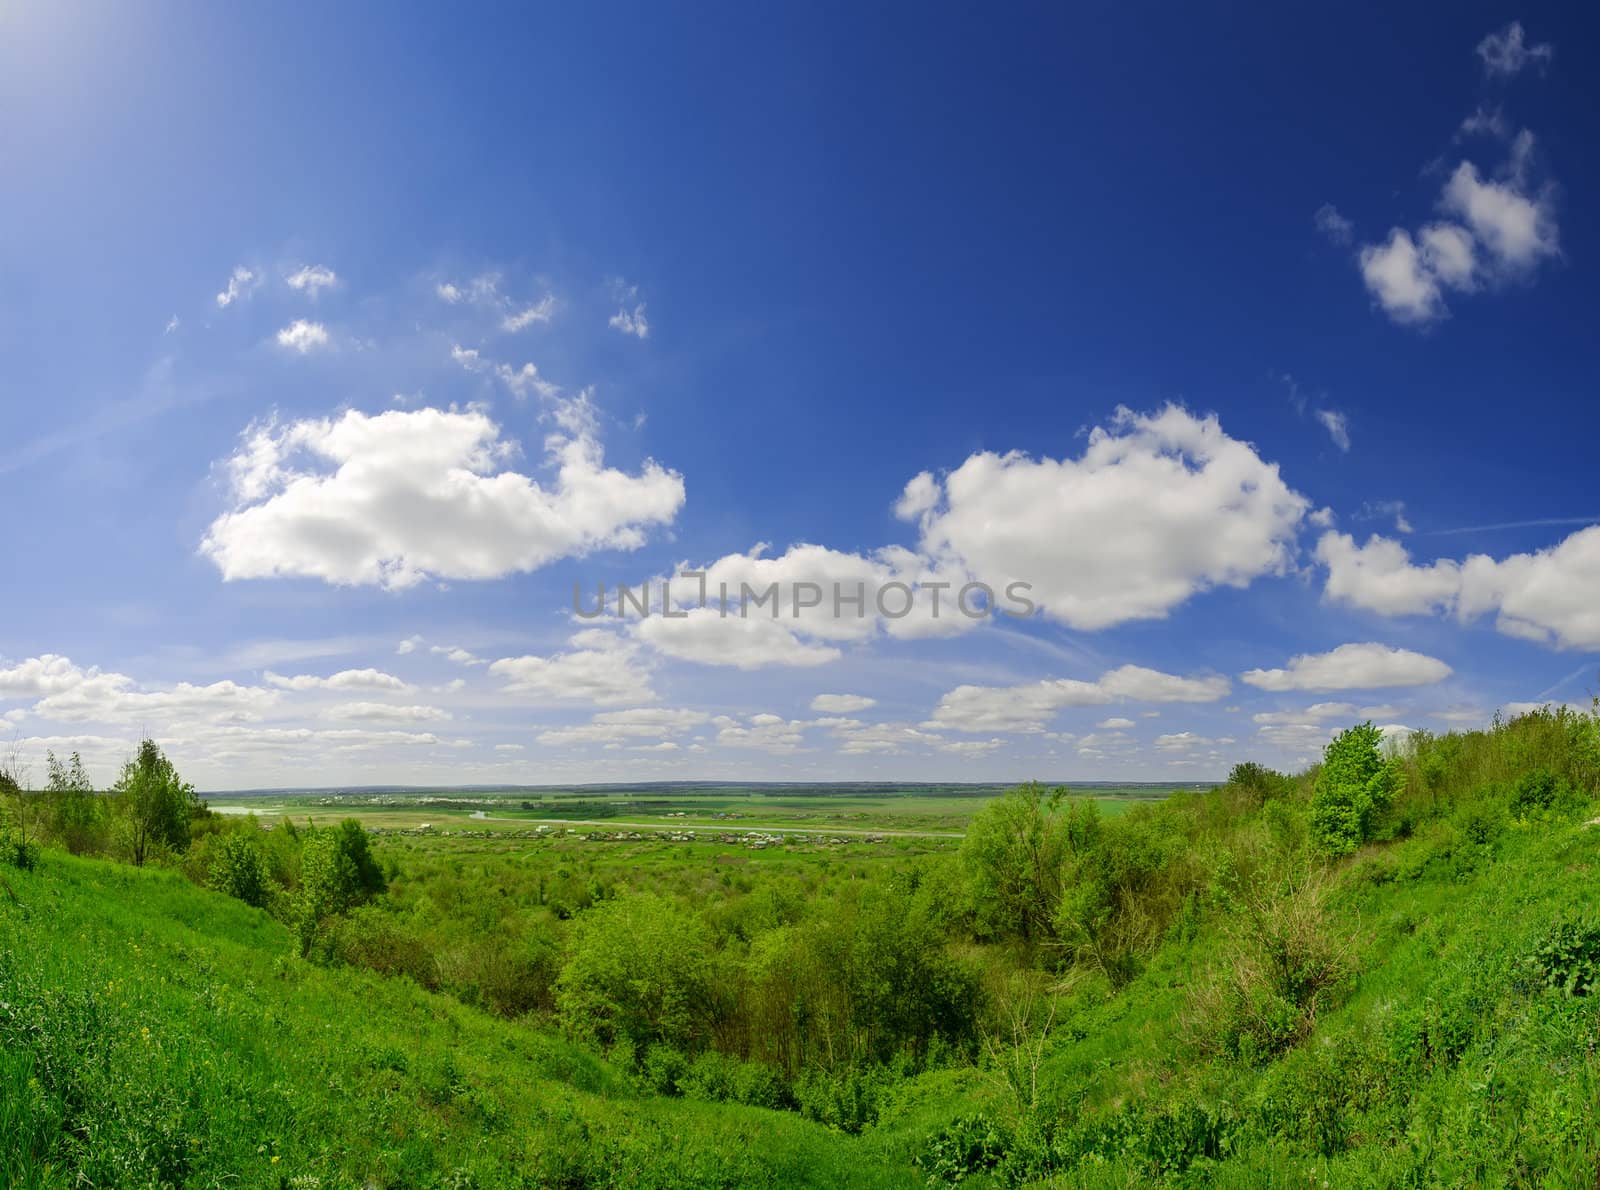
(1354, 786)
(239, 870)
(966, 1146)
(1287, 963)
(1567, 958)
(19, 852)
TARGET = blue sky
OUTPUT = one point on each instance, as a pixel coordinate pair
(335, 347)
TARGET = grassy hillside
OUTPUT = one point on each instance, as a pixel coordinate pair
(154, 1033)
(1383, 972)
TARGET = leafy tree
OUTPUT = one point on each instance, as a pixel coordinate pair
(640, 972)
(1013, 856)
(1354, 786)
(337, 871)
(240, 871)
(155, 806)
(1259, 781)
(77, 815)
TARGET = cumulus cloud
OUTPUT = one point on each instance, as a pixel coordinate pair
(842, 704)
(602, 668)
(1139, 684)
(311, 279)
(1546, 596)
(402, 496)
(921, 494)
(705, 636)
(47, 674)
(1351, 667)
(1506, 52)
(347, 679)
(1400, 280)
(241, 283)
(302, 336)
(1030, 706)
(1116, 723)
(1158, 508)
(1498, 230)
(1024, 708)
(1380, 577)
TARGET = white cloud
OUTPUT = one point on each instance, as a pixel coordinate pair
(1159, 508)
(842, 704)
(1400, 280)
(1337, 425)
(521, 382)
(541, 311)
(1315, 713)
(50, 673)
(302, 336)
(382, 712)
(240, 284)
(602, 668)
(921, 494)
(764, 732)
(1025, 708)
(1116, 723)
(311, 279)
(611, 727)
(347, 679)
(1516, 230)
(1139, 684)
(1546, 596)
(1182, 741)
(112, 697)
(448, 292)
(1351, 667)
(706, 636)
(402, 496)
(409, 645)
(1506, 52)
(1379, 576)
(631, 322)
(172, 325)
(1029, 707)
(1332, 224)
(457, 654)
(1499, 231)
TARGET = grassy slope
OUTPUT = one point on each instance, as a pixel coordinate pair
(155, 1033)
(1444, 1063)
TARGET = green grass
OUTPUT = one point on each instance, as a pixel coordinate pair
(1206, 999)
(152, 1033)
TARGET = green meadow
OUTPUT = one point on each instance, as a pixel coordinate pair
(1384, 971)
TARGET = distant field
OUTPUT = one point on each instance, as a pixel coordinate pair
(931, 813)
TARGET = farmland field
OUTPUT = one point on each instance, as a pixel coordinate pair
(928, 811)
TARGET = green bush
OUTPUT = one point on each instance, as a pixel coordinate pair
(1567, 958)
(968, 1145)
(19, 852)
(239, 870)
(1354, 786)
